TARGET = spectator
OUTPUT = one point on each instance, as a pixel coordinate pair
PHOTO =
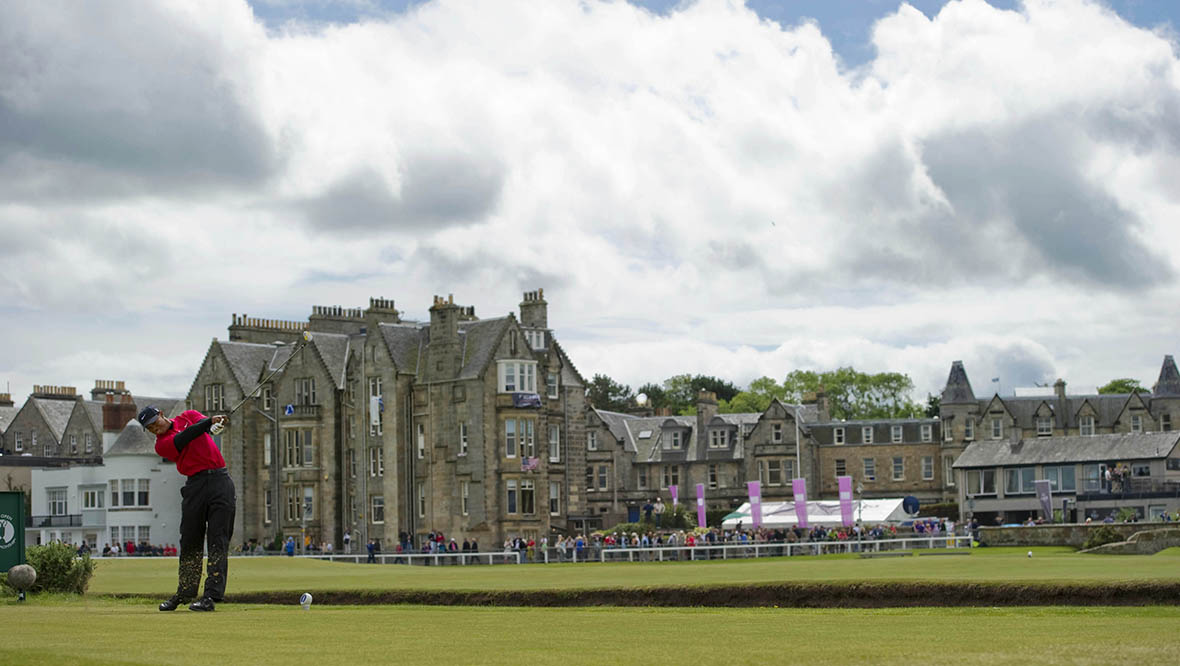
(658, 509)
(290, 547)
(372, 548)
(347, 542)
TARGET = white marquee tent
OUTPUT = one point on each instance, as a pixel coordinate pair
(782, 514)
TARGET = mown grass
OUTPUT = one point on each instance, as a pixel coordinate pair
(984, 565)
(103, 631)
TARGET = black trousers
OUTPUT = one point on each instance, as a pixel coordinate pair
(207, 507)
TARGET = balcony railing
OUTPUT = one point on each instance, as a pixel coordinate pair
(300, 411)
(56, 521)
(1132, 488)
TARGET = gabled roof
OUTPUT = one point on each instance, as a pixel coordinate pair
(404, 342)
(1069, 449)
(133, 441)
(56, 414)
(332, 349)
(616, 423)
(568, 363)
(478, 341)
(6, 416)
(93, 409)
(246, 361)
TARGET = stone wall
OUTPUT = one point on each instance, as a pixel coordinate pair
(1057, 535)
(1142, 543)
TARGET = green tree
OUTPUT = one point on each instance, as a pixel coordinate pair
(1124, 385)
(857, 395)
(606, 393)
(655, 395)
(756, 398)
(680, 391)
(933, 405)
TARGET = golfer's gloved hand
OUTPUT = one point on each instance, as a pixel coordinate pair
(219, 423)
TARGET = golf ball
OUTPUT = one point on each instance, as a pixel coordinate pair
(305, 600)
(1029, 554)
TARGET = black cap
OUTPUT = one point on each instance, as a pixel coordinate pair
(148, 415)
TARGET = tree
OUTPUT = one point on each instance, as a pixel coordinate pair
(606, 393)
(754, 399)
(1124, 385)
(655, 395)
(857, 395)
(680, 391)
(933, 405)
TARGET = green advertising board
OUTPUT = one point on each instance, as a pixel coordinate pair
(12, 529)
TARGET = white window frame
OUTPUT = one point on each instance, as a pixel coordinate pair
(516, 376)
(1136, 423)
(948, 470)
(927, 432)
(840, 465)
(554, 443)
(1086, 426)
(976, 479)
(511, 499)
(1044, 426)
(997, 423)
(376, 461)
(18, 442)
(712, 476)
(465, 497)
(421, 500)
(421, 439)
(776, 433)
(869, 468)
(718, 439)
(377, 509)
(895, 463)
(462, 438)
(554, 498)
(927, 468)
(510, 443)
(551, 385)
(838, 435)
(92, 498)
(73, 443)
(774, 470)
(969, 429)
(896, 434)
(57, 501)
(866, 434)
(592, 440)
(528, 488)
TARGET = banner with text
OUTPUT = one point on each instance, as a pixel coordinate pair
(755, 488)
(845, 486)
(1045, 495)
(700, 505)
(799, 486)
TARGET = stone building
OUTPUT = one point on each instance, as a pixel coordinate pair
(390, 429)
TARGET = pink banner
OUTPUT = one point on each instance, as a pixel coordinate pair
(700, 505)
(675, 494)
(755, 488)
(844, 483)
(799, 486)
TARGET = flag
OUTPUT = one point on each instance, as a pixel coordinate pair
(845, 485)
(755, 489)
(1045, 495)
(528, 464)
(673, 490)
(289, 410)
(700, 505)
(526, 400)
(799, 487)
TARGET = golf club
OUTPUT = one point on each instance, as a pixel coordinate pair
(217, 428)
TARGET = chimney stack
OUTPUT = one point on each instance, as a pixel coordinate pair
(534, 311)
(116, 412)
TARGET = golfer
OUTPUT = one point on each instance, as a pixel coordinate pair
(206, 504)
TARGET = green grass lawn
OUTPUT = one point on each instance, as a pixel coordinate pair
(104, 631)
(988, 565)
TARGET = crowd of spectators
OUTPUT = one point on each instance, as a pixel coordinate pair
(132, 549)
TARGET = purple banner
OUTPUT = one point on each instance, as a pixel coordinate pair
(700, 505)
(675, 494)
(799, 486)
(844, 483)
(755, 488)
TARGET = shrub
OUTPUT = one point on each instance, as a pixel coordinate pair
(1100, 537)
(59, 569)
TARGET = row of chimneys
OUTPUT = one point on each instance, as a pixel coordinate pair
(538, 295)
(62, 391)
(337, 312)
(275, 324)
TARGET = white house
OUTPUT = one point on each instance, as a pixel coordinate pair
(133, 495)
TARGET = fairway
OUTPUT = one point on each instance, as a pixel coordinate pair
(984, 565)
(94, 631)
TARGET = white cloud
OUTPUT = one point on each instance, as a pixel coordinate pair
(700, 191)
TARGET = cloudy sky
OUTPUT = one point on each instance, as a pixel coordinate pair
(736, 189)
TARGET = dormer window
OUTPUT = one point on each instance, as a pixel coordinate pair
(1086, 426)
(536, 339)
(866, 434)
(1136, 423)
(997, 427)
(776, 433)
(1044, 426)
(676, 441)
(838, 436)
(718, 439)
(895, 434)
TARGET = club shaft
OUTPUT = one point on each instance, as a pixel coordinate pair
(274, 372)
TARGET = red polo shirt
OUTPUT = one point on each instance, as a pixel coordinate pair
(200, 454)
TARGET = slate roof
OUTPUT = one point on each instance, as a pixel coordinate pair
(405, 342)
(958, 387)
(133, 441)
(6, 416)
(94, 413)
(333, 351)
(616, 423)
(1108, 406)
(1168, 385)
(246, 361)
(478, 340)
(56, 414)
(1069, 449)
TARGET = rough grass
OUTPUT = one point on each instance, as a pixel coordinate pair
(104, 631)
(1048, 566)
